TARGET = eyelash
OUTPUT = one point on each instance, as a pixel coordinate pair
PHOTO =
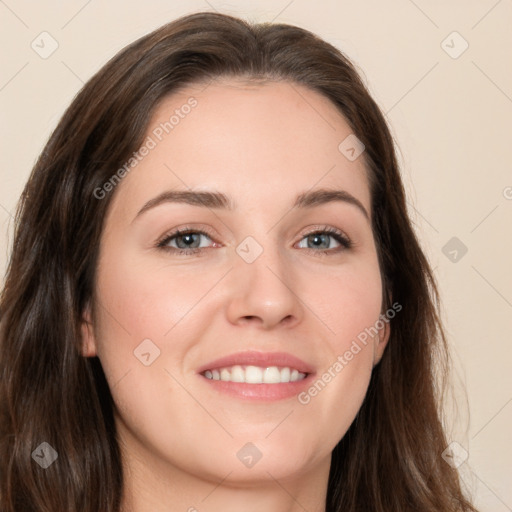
(341, 238)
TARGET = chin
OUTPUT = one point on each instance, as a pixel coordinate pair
(277, 457)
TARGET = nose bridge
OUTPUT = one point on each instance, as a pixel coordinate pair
(263, 285)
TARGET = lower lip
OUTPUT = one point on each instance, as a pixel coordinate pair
(264, 392)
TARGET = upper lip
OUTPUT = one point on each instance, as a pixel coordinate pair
(255, 358)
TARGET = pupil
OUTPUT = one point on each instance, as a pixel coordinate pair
(317, 241)
(188, 239)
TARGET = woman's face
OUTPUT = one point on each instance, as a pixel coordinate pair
(270, 292)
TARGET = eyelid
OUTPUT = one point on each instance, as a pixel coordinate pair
(323, 228)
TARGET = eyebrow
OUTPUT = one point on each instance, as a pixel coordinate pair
(218, 200)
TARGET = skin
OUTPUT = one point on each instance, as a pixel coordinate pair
(261, 145)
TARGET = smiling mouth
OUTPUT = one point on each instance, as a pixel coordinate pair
(250, 374)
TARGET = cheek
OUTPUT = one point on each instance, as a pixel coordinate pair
(349, 305)
(141, 301)
(348, 302)
(139, 308)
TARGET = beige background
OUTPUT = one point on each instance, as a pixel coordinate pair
(451, 118)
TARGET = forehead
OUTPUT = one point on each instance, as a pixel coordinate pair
(256, 141)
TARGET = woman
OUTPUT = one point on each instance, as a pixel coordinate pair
(215, 299)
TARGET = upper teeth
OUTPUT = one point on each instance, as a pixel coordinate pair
(255, 374)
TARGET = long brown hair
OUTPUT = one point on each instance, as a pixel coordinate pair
(390, 458)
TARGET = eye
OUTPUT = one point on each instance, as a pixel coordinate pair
(322, 241)
(184, 241)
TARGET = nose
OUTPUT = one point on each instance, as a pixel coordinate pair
(263, 294)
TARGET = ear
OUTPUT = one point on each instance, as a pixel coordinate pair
(88, 340)
(381, 340)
